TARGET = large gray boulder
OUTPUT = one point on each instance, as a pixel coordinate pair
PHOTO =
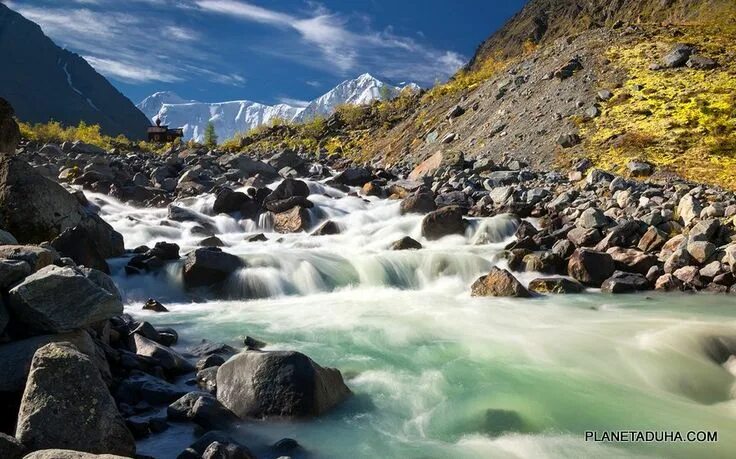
(590, 268)
(209, 266)
(35, 209)
(281, 384)
(67, 405)
(17, 356)
(36, 257)
(58, 299)
(203, 409)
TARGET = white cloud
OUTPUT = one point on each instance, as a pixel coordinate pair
(314, 83)
(126, 71)
(293, 102)
(345, 47)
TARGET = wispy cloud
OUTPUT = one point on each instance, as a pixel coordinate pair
(343, 46)
(293, 102)
(133, 48)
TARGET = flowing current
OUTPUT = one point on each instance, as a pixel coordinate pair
(425, 361)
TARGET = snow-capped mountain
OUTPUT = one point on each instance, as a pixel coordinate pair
(230, 118)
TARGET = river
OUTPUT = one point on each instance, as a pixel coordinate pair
(426, 362)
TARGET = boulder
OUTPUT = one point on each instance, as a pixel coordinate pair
(327, 228)
(704, 230)
(689, 208)
(668, 283)
(69, 454)
(678, 56)
(203, 409)
(208, 266)
(9, 131)
(217, 450)
(17, 356)
(592, 218)
(228, 201)
(652, 240)
(555, 285)
(582, 237)
(67, 405)
(141, 386)
(406, 243)
(622, 282)
(499, 282)
(10, 448)
(632, 260)
(353, 176)
(36, 257)
(168, 359)
(701, 251)
(589, 267)
(282, 384)
(12, 272)
(440, 160)
(420, 201)
(35, 209)
(7, 238)
(443, 222)
(291, 221)
(77, 244)
(58, 299)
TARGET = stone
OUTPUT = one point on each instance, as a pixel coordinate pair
(498, 422)
(640, 168)
(354, 176)
(168, 359)
(327, 228)
(678, 56)
(154, 305)
(440, 160)
(592, 218)
(688, 209)
(208, 266)
(69, 454)
(622, 282)
(140, 386)
(217, 450)
(590, 268)
(454, 112)
(568, 140)
(12, 272)
(652, 240)
(701, 251)
(212, 360)
(678, 259)
(420, 202)
(253, 343)
(632, 260)
(499, 282)
(704, 230)
(79, 245)
(699, 62)
(557, 285)
(711, 270)
(443, 222)
(203, 409)
(10, 448)
(67, 405)
(582, 237)
(406, 243)
(207, 379)
(280, 384)
(689, 276)
(668, 283)
(9, 131)
(291, 221)
(58, 299)
(36, 257)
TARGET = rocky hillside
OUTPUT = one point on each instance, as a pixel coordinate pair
(43, 82)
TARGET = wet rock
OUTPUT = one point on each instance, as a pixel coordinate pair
(253, 343)
(58, 299)
(212, 241)
(353, 176)
(207, 379)
(217, 450)
(140, 386)
(498, 422)
(168, 359)
(499, 282)
(282, 384)
(67, 405)
(291, 221)
(327, 228)
(555, 285)
(209, 266)
(209, 348)
(420, 202)
(622, 282)
(590, 267)
(260, 237)
(406, 243)
(228, 201)
(443, 222)
(69, 454)
(203, 409)
(212, 360)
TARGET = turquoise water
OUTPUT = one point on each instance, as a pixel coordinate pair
(426, 362)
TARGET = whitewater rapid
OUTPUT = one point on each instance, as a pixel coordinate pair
(424, 359)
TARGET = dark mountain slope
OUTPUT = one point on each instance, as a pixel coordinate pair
(43, 82)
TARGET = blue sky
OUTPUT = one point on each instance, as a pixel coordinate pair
(267, 51)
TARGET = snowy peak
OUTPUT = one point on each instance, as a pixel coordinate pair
(232, 117)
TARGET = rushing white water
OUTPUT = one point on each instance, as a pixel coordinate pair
(424, 359)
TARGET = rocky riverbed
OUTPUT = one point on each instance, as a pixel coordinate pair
(200, 304)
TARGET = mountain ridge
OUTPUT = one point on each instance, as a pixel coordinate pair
(45, 82)
(238, 116)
